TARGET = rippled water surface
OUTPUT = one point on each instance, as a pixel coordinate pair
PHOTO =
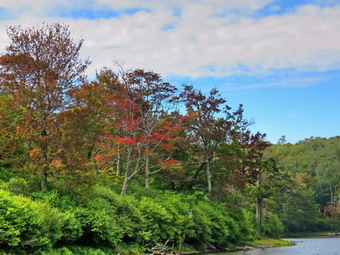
(304, 246)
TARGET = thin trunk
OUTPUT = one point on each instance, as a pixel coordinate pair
(147, 172)
(44, 152)
(44, 178)
(125, 186)
(118, 161)
(259, 216)
(243, 197)
(127, 173)
(259, 205)
(330, 189)
(209, 175)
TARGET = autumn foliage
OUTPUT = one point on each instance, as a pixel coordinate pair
(87, 142)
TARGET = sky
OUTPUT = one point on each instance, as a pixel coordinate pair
(279, 58)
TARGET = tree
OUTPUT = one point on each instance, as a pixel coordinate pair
(255, 167)
(156, 98)
(202, 125)
(282, 140)
(137, 121)
(41, 65)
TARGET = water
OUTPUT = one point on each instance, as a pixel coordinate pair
(304, 246)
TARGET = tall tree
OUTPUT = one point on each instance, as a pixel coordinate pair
(137, 121)
(41, 65)
(156, 98)
(254, 167)
(203, 125)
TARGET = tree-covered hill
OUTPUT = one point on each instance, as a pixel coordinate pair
(314, 165)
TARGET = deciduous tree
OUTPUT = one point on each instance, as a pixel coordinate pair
(41, 65)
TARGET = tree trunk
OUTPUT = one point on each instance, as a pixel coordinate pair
(259, 216)
(209, 175)
(44, 152)
(127, 173)
(259, 205)
(125, 186)
(243, 197)
(147, 172)
(118, 161)
(44, 178)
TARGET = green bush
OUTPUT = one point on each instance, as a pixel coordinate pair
(156, 222)
(221, 229)
(272, 225)
(181, 219)
(29, 224)
(180, 209)
(245, 220)
(18, 186)
(123, 209)
(76, 250)
(103, 218)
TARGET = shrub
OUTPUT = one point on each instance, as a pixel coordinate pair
(245, 220)
(29, 224)
(18, 186)
(222, 229)
(272, 225)
(156, 222)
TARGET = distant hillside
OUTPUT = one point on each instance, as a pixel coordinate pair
(316, 162)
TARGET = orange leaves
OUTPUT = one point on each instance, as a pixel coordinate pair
(126, 104)
(98, 157)
(57, 163)
(126, 141)
(169, 164)
(35, 153)
(332, 210)
(129, 124)
(159, 136)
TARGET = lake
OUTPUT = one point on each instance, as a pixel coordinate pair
(304, 246)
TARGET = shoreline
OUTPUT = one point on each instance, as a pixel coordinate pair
(261, 245)
(314, 234)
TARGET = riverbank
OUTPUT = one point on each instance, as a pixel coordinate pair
(256, 244)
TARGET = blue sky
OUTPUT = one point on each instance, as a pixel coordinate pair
(281, 59)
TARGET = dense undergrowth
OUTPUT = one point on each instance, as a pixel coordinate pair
(71, 223)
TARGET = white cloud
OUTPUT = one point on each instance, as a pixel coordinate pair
(202, 41)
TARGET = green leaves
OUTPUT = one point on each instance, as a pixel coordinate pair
(29, 224)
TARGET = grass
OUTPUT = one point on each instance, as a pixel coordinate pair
(268, 242)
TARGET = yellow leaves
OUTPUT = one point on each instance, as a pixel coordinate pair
(35, 153)
(304, 180)
(57, 164)
(111, 173)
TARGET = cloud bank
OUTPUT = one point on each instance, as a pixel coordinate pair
(193, 38)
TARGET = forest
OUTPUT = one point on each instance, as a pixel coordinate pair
(129, 163)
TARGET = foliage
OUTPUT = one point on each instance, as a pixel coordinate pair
(272, 225)
(41, 65)
(314, 166)
(128, 172)
(28, 224)
(104, 218)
